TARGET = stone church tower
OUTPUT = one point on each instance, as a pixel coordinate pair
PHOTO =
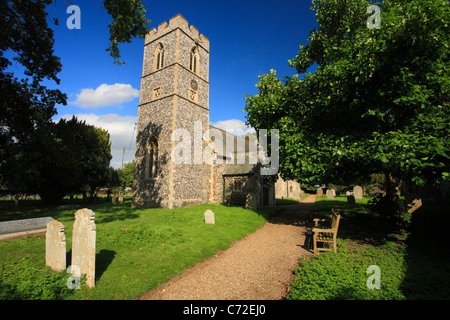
(174, 95)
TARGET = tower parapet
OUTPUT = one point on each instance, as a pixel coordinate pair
(178, 22)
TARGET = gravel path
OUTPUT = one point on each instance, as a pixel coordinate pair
(258, 267)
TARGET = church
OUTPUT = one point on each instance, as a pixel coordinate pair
(174, 105)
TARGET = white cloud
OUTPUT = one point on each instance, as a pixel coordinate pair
(105, 95)
(121, 130)
(234, 126)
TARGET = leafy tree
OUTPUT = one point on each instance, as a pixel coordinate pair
(126, 175)
(26, 105)
(378, 101)
(66, 157)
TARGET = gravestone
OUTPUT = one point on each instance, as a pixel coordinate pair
(209, 217)
(55, 246)
(319, 192)
(351, 199)
(15, 229)
(24, 225)
(83, 244)
(357, 192)
(330, 194)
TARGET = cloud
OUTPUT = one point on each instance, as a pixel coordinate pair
(234, 126)
(105, 95)
(121, 130)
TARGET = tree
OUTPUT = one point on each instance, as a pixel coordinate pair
(378, 101)
(126, 175)
(27, 106)
(64, 158)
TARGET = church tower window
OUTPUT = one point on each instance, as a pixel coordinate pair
(193, 60)
(159, 57)
(151, 158)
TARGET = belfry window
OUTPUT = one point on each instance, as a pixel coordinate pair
(159, 57)
(151, 158)
(193, 60)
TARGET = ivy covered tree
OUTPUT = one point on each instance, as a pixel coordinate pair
(378, 101)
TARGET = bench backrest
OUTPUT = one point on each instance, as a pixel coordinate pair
(335, 218)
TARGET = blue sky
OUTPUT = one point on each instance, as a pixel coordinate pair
(247, 38)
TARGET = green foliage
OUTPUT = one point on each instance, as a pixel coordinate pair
(25, 280)
(62, 159)
(129, 21)
(126, 175)
(377, 103)
(26, 107)
(343, 276)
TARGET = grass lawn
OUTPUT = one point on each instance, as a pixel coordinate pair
(414, 264)
(137, 249)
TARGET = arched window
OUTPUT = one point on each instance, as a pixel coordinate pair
(193, 60)
(159, 57)
(151, 158)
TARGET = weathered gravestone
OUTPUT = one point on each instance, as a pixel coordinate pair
(319, 192)
(55, 246)
(351, 199)
(209, 217)
(330, 194)
(357, 192)
(83, 244)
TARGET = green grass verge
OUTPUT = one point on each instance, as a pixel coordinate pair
(137, 249)
(414, 264)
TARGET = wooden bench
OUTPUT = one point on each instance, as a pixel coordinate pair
(326, 236)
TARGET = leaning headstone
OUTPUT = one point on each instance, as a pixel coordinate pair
(351, 199)
(83, 244)
(330, 194)
(357, 192)
(55, 246)
(319, 192)
(209, 217)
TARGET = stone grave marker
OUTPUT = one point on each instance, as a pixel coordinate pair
(83, 244)
(357, 192)
(55, 246)
(351, 199)
(319, 192)
(209, 217)
(15, 229)
(330, 194)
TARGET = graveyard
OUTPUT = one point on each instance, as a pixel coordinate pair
(348, 201)
(137, 249)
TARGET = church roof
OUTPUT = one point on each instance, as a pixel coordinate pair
(239, 169)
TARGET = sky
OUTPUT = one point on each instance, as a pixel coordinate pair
(247, 38)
